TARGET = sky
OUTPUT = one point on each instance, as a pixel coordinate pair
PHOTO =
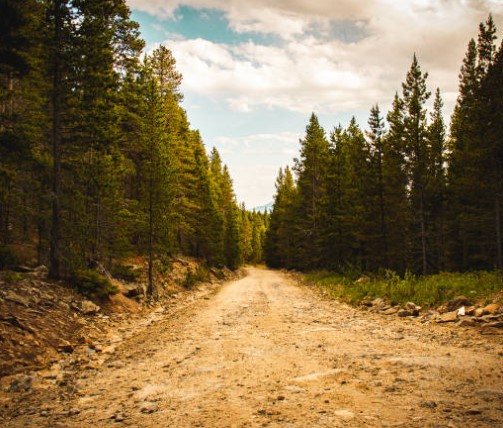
(254, 71)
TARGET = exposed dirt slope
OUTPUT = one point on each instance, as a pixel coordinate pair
(263, 351)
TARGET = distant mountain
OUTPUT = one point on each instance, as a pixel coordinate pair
(264, 208)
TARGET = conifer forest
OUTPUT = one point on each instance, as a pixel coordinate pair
(99, 162)
(405, 194)
(97, 157)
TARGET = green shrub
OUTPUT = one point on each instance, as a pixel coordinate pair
(127, 273)
(7, 258)
(193, 277)
(164, 265)
(11, 277)
(218, 273)
(190, 278)
(93, 284)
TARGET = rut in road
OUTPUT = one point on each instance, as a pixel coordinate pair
(264, 351)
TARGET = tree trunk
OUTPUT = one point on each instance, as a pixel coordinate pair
(150, 288)
(497, 211)
(423, 237)
(55, 251)
(384, 232)
(97, 235)
(5, 216)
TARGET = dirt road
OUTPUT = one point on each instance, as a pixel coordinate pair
(263, 351)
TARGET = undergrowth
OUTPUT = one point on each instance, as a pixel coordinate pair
(126, 273)
(93, 284)
(426, 291)
(8, 258)
(193, 277)
(10, 277)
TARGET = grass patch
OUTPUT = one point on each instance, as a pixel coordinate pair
(426, 291)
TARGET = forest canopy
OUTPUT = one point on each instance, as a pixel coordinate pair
(98, 160)
(406, 194)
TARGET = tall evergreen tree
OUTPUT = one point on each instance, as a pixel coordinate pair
(24, 162)
(436, 184)
(209, 225)
(395, 185)
(491, 121)
(415, 95)
(59, 46)
(281, 236)
(376, 135)
(311, 169)
(460, 184)
(473, 161)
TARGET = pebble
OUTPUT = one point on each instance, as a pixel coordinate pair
(430, 404)
(148, 407)
(404, 313)
(467, 322)
(491, 309)
(118, 417)
(474, 411)
(448, 317)
(344, 414)
(89, 308)
(21, 383)
(73, 411)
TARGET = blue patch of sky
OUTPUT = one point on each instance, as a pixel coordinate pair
(191, 23)
(215, 118)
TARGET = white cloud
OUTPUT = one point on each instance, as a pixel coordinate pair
(309, 69)
(299, 76)
(305, 72)
(245, 14)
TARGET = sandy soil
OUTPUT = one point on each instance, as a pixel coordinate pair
(263, 351)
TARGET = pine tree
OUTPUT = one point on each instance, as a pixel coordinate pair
(460, 184)
(486, 47)
(376, 135)
(280, 249)
(491, 122)
(258, 236)
(416, 148)
(473, 162)
(209, 221)
(246, 234)
(395, 184)
(436, 183)
(157, 167)
(106, 41)
(24, 162)
(60, 40)
(350, 183)
(311, 170)
(233, 240)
